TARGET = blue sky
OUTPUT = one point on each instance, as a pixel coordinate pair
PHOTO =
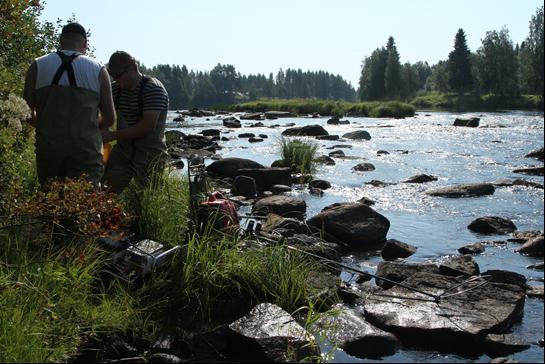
(261, 36)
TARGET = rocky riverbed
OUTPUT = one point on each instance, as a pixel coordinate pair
(451, 209)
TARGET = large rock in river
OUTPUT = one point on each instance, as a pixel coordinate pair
(492, 225)
(459, 322)
(471, 122)
(536, 154)
(354, 224)
(228, 167)
(280, 205)
(464, 190)
(533, 171)
(266, 177)
(358, 135)
(308, 130)
(349, 331)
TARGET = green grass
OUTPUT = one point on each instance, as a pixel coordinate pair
(214, 268)
(298, 154)
(159, 213)
(328, 107)
(49, 300)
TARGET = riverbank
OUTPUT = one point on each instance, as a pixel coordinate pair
(396, 109)
(304, 107)
(468, 102)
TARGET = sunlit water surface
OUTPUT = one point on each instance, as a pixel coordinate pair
(426, 143)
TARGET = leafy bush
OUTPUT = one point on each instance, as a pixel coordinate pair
(299, 155)
(72, 208)
(17, 161)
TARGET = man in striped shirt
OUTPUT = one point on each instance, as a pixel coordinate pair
(141, 103)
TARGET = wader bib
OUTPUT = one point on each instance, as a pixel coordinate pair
(140, 158)
(68, 139)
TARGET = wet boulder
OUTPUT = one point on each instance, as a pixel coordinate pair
(266, 334)
(278, 114)
(231, 122)
(324, 159)
(533, 247)
(394, 249)
(476, 248)
(364, 167)
(400, 271)
(463, 190)
(316, 246)
(522, 237)
(366, 201)
(275, 332)
(354, 224)
(252, 116)
(244, 186)
(316, 191)
(328, 137)
(352, 333)
(308, 130)
(337, 154)
(458, 323)
(471, 122)
(492, 225)
(278, 189)
(210, 132)
(276, 222)
(421, 178)
(228, 167)
(459, 265)
(336, 121)
(280, 205)
(319, 183)
(505, 276)
(358, 135)
(246, 135)
(536, 154)
(266, 177)
(535, 291)
(173, 137)
(517, 182)
(533, 171)
(255, 140)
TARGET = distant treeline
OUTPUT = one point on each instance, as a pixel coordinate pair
(224, 85)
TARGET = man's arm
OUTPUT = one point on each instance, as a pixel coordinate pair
(106, 105)
(28, 91)
(141, 129)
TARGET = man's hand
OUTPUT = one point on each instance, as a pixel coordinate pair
(107, 135)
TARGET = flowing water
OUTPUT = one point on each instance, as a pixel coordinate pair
(426, 143)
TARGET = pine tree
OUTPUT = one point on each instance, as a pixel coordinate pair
(392, 76)
(459, 65)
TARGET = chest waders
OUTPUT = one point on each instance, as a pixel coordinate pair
(68, 140)
(140, 158)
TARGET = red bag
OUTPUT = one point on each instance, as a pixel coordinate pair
(226, 208)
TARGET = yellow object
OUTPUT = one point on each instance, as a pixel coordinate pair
(106, 148)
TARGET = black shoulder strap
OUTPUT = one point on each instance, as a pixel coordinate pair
(145, 80)
(66, 65)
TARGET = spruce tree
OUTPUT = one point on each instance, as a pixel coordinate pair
(392, 76)
(459, 65)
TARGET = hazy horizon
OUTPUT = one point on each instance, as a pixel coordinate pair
(310, 35)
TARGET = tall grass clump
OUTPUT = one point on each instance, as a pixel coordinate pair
(299, 155)
(215, 268)
(50, 301)
(159, 211)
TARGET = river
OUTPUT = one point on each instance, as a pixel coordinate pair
(426, 143)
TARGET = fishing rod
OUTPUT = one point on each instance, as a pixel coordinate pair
(437, 298)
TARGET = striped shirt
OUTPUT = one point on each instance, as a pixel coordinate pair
(155, 98)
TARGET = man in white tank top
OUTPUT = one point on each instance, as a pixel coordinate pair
(65, 90)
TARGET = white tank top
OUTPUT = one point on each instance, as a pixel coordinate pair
(86, 71)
